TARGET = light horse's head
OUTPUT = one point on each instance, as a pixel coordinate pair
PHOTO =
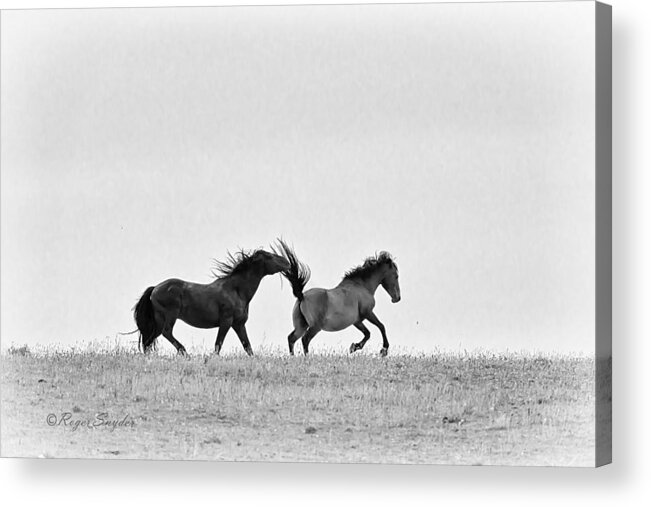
(389, 280)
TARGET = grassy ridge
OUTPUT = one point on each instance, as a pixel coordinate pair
(447, 408)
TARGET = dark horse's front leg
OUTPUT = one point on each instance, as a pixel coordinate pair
(240, 329)
(221, 334)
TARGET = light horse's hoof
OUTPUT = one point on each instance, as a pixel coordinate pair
(384, 352)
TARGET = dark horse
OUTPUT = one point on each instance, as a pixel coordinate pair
(224, 303)
(349, 303)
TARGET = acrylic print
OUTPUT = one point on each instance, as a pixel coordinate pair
(344, 234)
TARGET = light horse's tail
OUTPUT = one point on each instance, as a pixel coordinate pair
(143, 313)
(298, 273)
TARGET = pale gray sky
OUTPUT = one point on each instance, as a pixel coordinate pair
(137, 144)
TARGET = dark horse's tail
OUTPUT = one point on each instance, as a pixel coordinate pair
(143, 313)
(298, 273)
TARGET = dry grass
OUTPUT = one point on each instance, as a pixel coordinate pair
(446, 408)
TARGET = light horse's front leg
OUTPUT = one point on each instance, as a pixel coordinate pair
(372, 318)
(354, 347)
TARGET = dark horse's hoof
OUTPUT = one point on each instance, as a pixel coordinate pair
(384, 352)
(353, 348)
(182, 352)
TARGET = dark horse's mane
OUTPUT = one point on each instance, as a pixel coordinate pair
(369, 265)
(235, 263)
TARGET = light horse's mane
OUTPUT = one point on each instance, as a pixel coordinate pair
(235, 263)
(370, 265)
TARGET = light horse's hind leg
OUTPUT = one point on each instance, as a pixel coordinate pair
(300, 326)
(307, 338)
(293, 337)
(367, 334)
(372, 318)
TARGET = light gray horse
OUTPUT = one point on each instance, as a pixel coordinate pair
(349, 303)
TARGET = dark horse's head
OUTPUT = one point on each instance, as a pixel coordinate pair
(272, 262)
(259, 260)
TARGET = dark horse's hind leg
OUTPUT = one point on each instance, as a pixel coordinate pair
(244, 338)
(367, 334)
(167, 311)
(372, 318)
(167, 333)
(307, 338)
